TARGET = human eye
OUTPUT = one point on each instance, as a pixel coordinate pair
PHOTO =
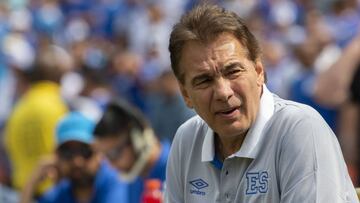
(233, 73)
(234, 70)
(202, 81)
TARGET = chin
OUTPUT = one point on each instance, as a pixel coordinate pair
(124, 169)
(234, 130)
(82, 182)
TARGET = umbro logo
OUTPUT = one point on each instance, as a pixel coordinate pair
(198, 184)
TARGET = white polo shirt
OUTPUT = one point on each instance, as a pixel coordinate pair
(289, 155)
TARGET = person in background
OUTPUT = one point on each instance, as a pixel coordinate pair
(129, 143)
(83, 175)
(165, 101)
(247, 144)
(301, 87)
(29, 131)
(338, 86)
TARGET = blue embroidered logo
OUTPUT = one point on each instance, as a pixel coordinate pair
(257, 182)
(198, 184)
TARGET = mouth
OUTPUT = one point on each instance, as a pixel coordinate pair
(228, 112)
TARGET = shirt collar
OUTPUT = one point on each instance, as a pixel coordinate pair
(249, 147)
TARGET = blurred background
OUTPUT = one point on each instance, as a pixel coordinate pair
(118, 48)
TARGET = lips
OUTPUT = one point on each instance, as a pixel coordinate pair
(227, 111)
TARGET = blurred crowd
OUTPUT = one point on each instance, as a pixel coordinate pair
(103, 49)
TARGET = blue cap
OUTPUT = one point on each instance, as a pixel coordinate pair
(75, 127)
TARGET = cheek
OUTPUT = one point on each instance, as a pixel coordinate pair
(251, 98)
(93, 164)
(202, 107)
(247, 87)
(201, 98)
(248, 93)
(64, 168)
(126, 161)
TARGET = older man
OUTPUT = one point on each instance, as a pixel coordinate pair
(246, 145)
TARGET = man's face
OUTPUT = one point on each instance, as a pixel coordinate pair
(222, 84)
(78, 162)
(118, 150)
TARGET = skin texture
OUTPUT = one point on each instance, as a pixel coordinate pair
(126, 157)
(223, 86)
(79, 169)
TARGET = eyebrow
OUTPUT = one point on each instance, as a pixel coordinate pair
(227, 67)
(232, 65)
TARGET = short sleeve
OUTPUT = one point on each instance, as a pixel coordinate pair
(312, 168)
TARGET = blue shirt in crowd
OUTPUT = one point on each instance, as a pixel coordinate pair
(158, 172)
(108, 189)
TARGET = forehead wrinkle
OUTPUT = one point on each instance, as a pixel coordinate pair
(232, 45)
(203, 58)
(213, 56)
(224, 55)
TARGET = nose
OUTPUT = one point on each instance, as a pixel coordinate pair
(223, 90)
(78, 161)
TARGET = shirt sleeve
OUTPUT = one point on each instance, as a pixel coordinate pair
(311, 165)
(50, 196)
(173, 184)
(117, 194)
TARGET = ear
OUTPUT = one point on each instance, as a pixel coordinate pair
(185, 95)
(259, 68)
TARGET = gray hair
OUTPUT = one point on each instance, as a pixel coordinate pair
(204, 23)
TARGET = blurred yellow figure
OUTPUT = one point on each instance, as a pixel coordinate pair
(30, 131)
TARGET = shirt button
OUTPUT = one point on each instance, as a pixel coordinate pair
(227, 196)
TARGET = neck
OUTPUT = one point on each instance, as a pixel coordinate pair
(83, 194)
(227, 147)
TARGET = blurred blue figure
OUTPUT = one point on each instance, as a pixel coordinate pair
(48, 18)
(85, 176)
(344, 21)
(164, 104)
(302, 88)
(129, 143)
